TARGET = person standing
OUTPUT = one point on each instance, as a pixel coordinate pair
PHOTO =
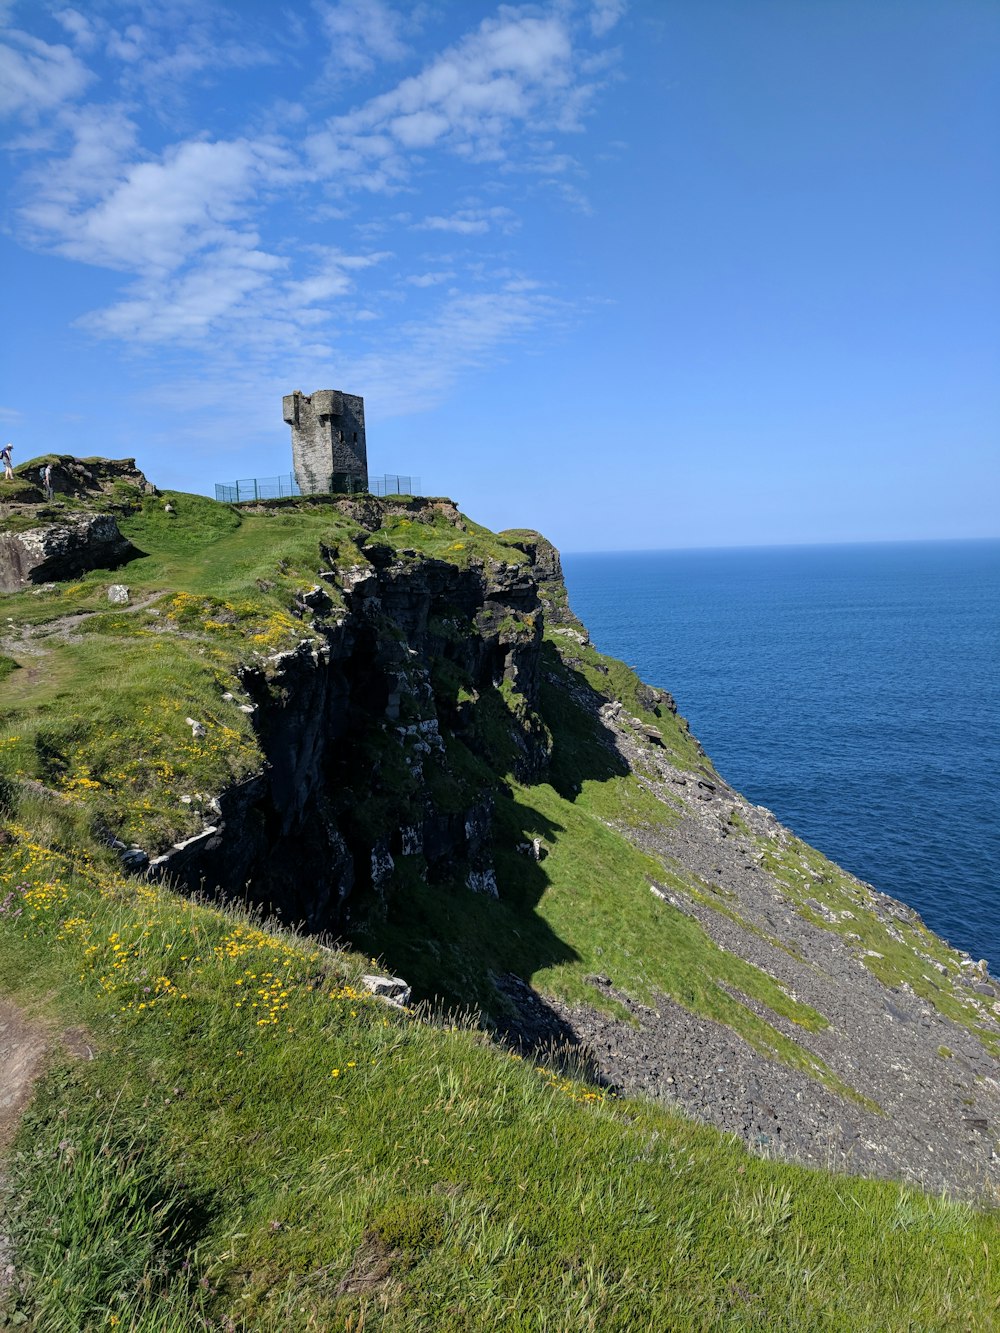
(8, 469)
(47, 482)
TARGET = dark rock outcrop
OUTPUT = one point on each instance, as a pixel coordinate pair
(353, 723)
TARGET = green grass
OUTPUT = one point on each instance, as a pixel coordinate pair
(258, 1144)
(217, 584)
(209, 1169)
(213, 587)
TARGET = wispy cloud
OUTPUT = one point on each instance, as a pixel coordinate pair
(470, 99)
(430, 279)
(36, 76)
(362, 34)
(604, 14)
(78, 27)
(473, 221)
(218, 234)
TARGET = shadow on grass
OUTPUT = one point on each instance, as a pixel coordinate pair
(461, 950)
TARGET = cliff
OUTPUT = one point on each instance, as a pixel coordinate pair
(377, 720)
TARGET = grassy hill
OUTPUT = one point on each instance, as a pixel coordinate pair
(231, 1133)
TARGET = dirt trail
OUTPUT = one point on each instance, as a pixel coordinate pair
(23, 1047)
(22, 1050)
(63, 627)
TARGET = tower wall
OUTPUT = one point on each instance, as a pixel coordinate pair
(329, 451)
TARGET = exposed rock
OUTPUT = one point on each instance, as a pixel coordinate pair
(393, 989)
(484, 881)
(61, 550)
(118, 594)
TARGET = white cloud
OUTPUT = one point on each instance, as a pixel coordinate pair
(570, 195)
(205, 229)
(511, 70)
(333, 278)
(104, 137)
(473, 221)
(78, 26)
(604, 14)
(159, 213)
(128, 45)
(362, 33)
(240, 289)
(430, 279)
(36, 76)
(419, 129)
(186, 308)
(174, 45)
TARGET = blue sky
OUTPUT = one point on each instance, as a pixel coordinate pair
(657, 273)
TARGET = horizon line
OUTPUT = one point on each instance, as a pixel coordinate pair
(781, 546)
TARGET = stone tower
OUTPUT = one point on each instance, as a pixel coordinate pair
(328, 440)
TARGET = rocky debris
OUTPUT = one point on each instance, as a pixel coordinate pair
(392, 989)
(118, 594)
(935, 1084)
(61, 550)
(708, 1071)
(535, 849)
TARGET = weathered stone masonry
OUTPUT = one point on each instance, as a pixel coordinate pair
(329, 452)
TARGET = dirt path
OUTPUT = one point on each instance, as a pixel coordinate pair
(64, 627)
(22, 1050)
(23, 1047)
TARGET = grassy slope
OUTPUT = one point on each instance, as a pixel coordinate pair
(260, 1145)
(210, 1161)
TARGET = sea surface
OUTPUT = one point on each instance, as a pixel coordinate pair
(854, 690)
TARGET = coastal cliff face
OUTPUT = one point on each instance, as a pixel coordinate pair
(375, 718)
(354, 724)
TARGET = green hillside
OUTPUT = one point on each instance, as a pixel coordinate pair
(231, 1132)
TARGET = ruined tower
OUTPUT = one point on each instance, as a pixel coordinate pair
(328, 440)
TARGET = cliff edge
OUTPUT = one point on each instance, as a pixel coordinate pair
(376, 719)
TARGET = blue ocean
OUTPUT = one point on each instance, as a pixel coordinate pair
(854, 690)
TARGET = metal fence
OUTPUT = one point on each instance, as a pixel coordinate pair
(391, 483)
(257, 488)
(276, 488)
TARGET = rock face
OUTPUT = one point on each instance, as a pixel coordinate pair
(350, 724)
(61, 550)
(42, 542)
